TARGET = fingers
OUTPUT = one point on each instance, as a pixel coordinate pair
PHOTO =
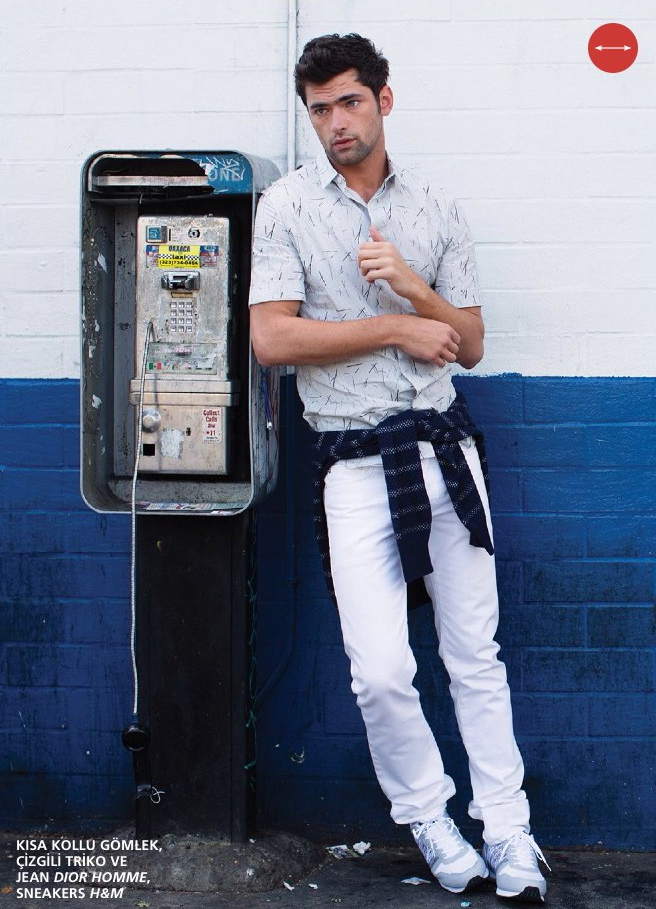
(371, 269)
(380, 259)
(450, 355)
(377, 246)
(373, 252)
(448, 349)
(375, 264)
(445, 358)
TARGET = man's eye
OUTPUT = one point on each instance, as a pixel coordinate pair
(319, 111)
(352, 103)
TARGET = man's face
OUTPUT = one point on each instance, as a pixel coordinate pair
(347, 117)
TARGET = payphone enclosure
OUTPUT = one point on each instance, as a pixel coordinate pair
(166, 247)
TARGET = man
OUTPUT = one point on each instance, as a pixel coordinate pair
(364, 277)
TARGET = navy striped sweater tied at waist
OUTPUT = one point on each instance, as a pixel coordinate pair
(395, 439)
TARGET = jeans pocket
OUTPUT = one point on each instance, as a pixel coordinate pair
(350, 472)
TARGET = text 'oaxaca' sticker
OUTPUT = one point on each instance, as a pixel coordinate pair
(176, 255)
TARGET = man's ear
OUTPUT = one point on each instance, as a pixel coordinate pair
(385, 100)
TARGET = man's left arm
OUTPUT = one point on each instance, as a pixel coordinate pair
(466, 320)
(456, 274)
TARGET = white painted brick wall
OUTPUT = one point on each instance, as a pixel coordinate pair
(554, 160)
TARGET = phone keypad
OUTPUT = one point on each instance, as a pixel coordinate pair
(181, 317)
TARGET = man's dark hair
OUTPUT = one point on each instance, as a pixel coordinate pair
(330, 55)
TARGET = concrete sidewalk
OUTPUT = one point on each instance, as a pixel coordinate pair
(579, 880)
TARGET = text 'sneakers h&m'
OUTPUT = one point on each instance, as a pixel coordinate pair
(455, 863)
(514, 864)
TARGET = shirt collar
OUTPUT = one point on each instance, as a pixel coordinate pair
(327, 173)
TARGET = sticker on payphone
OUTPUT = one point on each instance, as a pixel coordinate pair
(178, 256)
(209, 257)
(168, 256)
(211, 428)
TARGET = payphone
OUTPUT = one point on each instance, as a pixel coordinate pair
(178, 418)
(166, 248)
(184, 320)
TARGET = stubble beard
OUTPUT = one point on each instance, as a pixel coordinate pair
(355, 153)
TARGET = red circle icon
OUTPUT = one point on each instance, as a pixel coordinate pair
(613, 47)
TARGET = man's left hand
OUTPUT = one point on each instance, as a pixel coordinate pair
(379, 258)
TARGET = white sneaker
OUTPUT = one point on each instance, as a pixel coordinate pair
(455, 864)
(514, 864)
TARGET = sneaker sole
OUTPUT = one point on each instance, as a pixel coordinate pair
(528, 895)
(472, 884)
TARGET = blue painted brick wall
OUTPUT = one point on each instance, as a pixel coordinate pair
(574, 505)
(64, 623)
(573, 497)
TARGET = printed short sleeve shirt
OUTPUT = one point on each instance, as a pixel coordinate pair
(308, 229)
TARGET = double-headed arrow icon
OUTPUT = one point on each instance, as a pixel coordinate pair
(613, 47)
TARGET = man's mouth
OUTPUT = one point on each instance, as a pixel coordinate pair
(342, 143)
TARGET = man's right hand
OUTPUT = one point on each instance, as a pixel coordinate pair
(428, 340)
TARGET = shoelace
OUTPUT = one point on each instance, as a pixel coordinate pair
(449, 843)
(521, 847)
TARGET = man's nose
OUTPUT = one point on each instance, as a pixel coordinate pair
(338, 122)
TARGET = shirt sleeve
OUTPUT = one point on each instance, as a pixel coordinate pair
(457, 277)
(276, 269)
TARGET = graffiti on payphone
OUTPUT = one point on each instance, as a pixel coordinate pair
(224, 171)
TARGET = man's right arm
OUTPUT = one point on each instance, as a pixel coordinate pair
(280, 337)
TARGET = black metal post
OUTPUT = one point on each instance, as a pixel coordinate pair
(193, 630)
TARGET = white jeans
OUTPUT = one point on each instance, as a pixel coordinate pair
(371, 597)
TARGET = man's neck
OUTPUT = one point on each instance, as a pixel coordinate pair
(368, 176)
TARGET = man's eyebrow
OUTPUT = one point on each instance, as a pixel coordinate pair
(351, 96)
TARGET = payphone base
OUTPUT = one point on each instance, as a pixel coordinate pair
(194, 621)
